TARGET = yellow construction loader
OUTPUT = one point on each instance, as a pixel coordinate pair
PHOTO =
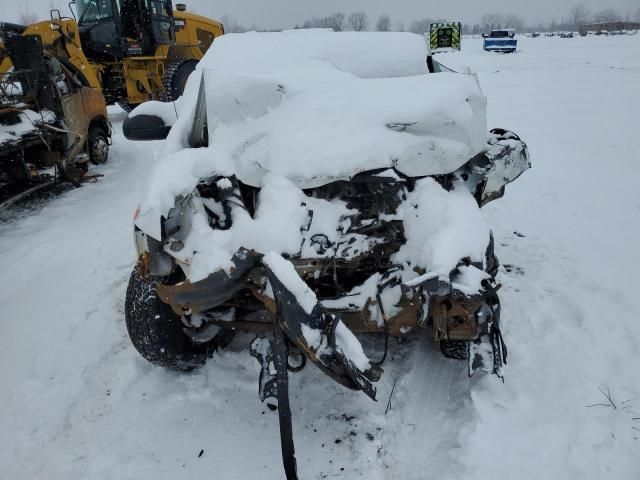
(131, 50)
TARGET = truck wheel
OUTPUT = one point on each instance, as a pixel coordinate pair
(98, 145)
(458, 349)
(175, 78)
(155, 331)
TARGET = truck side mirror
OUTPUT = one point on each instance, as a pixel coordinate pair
(145, 127)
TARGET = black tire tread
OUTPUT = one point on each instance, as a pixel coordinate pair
(457, 349)
(95, 132)
(156, 332)
(175, 77)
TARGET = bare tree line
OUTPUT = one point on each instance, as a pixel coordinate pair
(27, 16)
(576, 16)
(356, 21)
(359, 21)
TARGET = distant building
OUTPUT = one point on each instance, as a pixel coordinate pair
(608, 27)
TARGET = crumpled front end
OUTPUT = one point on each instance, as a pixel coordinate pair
(379, 253)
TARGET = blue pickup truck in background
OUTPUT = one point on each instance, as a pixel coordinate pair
(500, 41)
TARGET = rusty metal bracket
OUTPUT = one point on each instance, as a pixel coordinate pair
(291, 318)
(488, 352)
(214, 290)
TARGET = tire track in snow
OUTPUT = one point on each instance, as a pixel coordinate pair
(429, 406)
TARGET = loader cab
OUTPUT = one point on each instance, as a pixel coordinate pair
(117, 29)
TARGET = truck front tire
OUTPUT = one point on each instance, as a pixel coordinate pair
(98, 145)
(156, 331)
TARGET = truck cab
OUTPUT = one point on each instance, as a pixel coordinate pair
(502, 40)
(110, 29)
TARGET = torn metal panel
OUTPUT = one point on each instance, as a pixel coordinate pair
(509, 159)
(294, 320)
(213, 291)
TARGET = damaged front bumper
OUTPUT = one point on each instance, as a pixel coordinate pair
(436, 303)
(391, 299)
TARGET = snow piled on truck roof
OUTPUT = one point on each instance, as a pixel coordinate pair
(318, 106)
(363, 54)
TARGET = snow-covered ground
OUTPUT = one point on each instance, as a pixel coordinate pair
(79, 402)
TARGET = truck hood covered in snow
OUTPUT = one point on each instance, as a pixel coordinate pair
(317, 106)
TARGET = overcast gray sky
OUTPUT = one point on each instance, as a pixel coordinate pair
(287, 13)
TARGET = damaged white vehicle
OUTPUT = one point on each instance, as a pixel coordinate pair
(314, 186)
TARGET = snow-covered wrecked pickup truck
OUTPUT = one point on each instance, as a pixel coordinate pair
(315, 186)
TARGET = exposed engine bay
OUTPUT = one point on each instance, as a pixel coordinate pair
(359, 270)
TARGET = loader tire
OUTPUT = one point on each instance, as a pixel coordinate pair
(156, 331)
(126, 106)
(98, 145)
(175, 78)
